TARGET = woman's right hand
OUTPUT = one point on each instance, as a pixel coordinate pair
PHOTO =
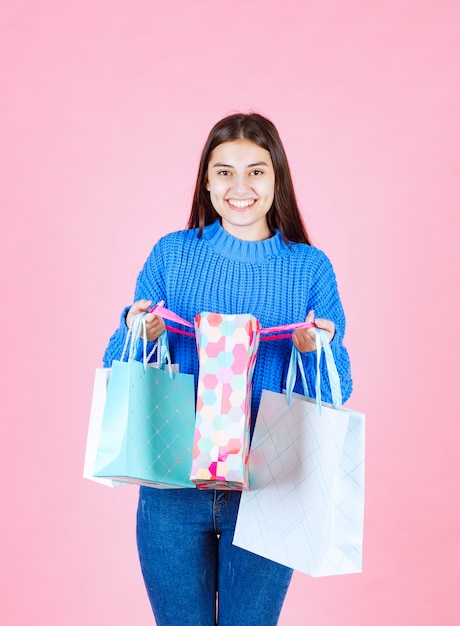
(154, 324)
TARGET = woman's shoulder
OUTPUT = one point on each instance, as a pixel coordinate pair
(171, 246)
(308, 252)
(177, 239)
(179, 235)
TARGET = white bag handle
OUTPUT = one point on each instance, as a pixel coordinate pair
(322, 341)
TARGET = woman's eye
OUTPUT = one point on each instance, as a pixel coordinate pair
(223, 173)
(256, 172)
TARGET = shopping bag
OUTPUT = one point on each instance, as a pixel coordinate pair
(306, 504)
(101, 379)
(148, 424)
(98, 403)
(227, 349)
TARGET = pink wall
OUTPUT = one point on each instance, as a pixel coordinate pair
(104, 109)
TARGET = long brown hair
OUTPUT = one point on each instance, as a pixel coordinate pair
(284, 213)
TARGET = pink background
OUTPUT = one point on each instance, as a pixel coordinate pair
(104, 109)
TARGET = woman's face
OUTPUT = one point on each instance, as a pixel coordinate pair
(241, 183)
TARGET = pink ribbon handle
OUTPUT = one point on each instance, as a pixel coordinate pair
(281, 329)
(166, 314)
(274, 331)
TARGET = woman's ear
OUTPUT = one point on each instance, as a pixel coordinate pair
(208, 186)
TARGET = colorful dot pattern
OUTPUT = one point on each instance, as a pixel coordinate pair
(227, 349)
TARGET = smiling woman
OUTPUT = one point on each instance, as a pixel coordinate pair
(245, 251)
(257, 130)
(241, 184)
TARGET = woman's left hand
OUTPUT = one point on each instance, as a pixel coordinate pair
(304, 338)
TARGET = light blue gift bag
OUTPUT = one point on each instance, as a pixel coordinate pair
(149, 418)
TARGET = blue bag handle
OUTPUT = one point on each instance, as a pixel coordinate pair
(322, 342)
(161, 346)
(163, 354)
(132, 337)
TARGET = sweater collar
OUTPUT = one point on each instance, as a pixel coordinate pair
(240, 250)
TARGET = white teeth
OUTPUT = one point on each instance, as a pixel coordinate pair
(241, 204)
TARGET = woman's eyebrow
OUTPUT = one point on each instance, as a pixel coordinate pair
(250, 165)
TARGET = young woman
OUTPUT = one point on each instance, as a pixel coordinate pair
(246, 250)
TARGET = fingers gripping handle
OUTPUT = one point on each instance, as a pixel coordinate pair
(161, 347)
(322, 342)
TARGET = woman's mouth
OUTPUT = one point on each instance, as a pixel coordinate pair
(241, 205)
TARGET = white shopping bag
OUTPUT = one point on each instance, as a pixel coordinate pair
(305, 506)
(101, 380)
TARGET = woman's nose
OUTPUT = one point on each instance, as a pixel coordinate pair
(240, 185)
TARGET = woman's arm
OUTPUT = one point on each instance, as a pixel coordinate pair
(149, 289)
(325, 308)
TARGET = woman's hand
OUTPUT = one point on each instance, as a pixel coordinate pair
(154, 324)
(304, 338)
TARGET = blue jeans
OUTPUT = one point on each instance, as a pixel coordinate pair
(184, 537)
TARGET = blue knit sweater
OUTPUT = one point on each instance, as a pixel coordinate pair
(277, 283)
